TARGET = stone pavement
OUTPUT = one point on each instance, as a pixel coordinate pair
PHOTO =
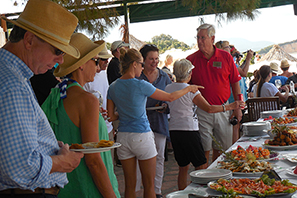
(169, 180)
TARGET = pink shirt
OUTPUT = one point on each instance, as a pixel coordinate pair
(215, 74)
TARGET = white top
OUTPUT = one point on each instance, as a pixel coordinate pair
(267, 90)
(181, 110)
(100, 84)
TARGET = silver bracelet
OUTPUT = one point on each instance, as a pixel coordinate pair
(224, 108)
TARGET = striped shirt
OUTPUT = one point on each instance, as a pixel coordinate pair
(26, 138)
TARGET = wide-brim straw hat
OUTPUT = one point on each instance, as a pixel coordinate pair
(87, 48)
(50, 22)
(274, 68)
(104, 53)
(284, 64)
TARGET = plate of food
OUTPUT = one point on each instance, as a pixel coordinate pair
(94, 147)
(252, 168)
(252, 152)
(291, 157)
(260, 187)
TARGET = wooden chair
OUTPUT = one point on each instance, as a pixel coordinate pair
(256, 105)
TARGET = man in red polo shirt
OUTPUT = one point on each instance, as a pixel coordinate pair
(216, 71)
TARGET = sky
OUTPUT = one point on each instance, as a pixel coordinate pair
(276, 24)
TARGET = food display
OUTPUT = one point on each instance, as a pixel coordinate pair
(251, 166)
(260, 187)
(282, 121)
(292, 113)
(284, 136)
(252, 152)
(102, 143)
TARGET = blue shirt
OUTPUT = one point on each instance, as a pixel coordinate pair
(243, 89)
(283, 79)
(129, 96)
(158, 121)
(27, 140)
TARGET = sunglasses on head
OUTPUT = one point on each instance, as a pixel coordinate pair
(96, 60)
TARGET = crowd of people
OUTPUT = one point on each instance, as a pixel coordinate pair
(59, 88)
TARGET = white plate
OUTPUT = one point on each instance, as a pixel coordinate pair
(185, 193)
(97, 150)
(155, 108)
(280, 147)
(291, 157)
(210, 173)
(291, 171)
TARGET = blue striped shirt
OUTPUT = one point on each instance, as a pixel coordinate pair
(26, 138)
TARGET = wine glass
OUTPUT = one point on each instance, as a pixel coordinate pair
(278, 83)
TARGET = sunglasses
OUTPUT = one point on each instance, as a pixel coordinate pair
(142, 64)
(96, 60)
(58, 52)
(103, 59)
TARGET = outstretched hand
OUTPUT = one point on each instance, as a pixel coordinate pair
(194, 88)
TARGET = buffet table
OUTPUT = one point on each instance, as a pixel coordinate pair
(281, 163)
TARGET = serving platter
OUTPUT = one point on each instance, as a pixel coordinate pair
(289, 147)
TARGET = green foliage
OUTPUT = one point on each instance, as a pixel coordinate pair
(166, 42)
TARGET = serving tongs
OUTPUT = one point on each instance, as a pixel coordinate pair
(272, 174)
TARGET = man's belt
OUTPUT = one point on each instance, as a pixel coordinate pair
(51, 191)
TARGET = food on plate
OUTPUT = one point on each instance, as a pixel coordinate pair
(269, 118)
(292, 113)
(251, 152)
(261, 186)
(76, 146)
(102, 143)
(251, 166)
(284, 136)
(295, 170)
(281, 121)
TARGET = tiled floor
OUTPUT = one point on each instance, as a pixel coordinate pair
(169, 180)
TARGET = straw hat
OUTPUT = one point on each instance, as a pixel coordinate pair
(87, 48)
(274, 68)
(118, 44)
(104, 53)
(284, 64)
(50, 22)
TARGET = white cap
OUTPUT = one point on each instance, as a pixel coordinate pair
(118, 44)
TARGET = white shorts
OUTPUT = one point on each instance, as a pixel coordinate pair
(216, 124)
(139, 145)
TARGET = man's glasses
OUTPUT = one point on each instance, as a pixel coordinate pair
(96, 60)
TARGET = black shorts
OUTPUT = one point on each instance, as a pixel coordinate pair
(187, 148)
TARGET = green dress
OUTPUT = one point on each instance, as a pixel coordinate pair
(80, 184)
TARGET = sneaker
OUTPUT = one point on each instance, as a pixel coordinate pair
(170, 151)
(118, 163)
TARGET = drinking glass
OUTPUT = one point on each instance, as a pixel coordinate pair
(278, 83)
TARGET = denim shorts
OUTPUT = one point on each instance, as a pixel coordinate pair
(139, 145)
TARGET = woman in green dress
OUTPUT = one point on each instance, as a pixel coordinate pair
(75, 118)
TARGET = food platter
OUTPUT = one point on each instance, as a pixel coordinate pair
(289, 147)
(246, 186)
(97, 150)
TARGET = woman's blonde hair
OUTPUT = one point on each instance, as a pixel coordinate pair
(127, 57)
(182, 69)
(166, 59)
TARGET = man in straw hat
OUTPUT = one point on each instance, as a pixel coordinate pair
(33, 163)
(100, 85)
(275, 71)
(213, 63)
(285, 66)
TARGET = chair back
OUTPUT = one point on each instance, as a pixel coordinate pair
(256, 105)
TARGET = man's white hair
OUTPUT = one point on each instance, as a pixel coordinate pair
(210, 29)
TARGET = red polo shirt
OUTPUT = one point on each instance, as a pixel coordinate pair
(215, 74)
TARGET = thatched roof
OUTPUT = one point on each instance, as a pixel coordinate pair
(277, 53)
(135, 43)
